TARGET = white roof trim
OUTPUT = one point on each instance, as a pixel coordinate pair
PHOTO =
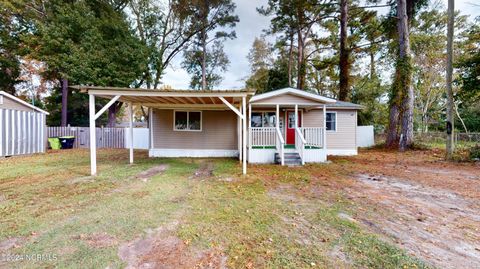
(292, 91)
(23, 102)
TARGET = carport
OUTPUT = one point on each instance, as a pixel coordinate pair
(234, 100)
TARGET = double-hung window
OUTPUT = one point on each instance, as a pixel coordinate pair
(187, 121)
(262, 119)
(331, 121)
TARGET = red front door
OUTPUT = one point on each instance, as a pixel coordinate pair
(291, 126)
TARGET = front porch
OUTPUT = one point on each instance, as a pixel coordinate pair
(278, 131)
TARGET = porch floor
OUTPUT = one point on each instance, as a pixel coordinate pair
(285, 146)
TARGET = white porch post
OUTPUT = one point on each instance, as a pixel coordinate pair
(244, 143)
(277, 126)
(239, 134)
(296, 116)
(93, 139)
(130, 130)
(325, 128)
(150, 129)
(249, 137)
(277, 116)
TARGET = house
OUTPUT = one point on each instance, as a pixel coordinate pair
(213, 123)
(22, 127)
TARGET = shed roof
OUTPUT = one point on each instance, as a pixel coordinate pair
(18, 100)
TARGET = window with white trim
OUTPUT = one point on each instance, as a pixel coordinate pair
(263, 119)
(331, 121)
(187, 121)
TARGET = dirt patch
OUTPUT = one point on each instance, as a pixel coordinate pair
(284, 192)
(437, 225)
(12, 242)
(205, 170)
(147, 174)
(162, 249)
(341, 259)
(97, 240)
(227, 179)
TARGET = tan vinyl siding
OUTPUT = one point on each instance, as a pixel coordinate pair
(219, 131)
(12, 104)
(287, 99)
(345, 135)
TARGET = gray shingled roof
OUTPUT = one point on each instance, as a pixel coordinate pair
(345, 105)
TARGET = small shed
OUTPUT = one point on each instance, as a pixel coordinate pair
(22, 127)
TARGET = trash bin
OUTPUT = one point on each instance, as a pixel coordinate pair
(67, 141)
(54, 143)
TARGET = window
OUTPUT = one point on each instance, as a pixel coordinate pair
(291, 120)
(187, 121)
(256, 120)
(269, 119)
(331, 121)
(262, 119)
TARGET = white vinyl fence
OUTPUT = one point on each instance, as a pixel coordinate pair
(141, 138)
(21, 132)
(365, 136)
(106, 137)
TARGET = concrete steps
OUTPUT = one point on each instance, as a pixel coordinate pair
(291, 158)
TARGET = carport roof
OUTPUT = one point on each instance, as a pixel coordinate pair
(167, 96)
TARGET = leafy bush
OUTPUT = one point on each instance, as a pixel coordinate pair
(475, 152)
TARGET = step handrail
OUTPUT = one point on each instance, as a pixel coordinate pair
(300, 144)
(280, 142)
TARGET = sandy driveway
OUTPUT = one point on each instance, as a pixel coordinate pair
(428, 207)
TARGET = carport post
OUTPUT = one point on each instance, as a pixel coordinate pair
(325, 128)
(244, 133)
(130, 125)
(93, 139)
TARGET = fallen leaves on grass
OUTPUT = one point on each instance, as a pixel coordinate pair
(97, 240)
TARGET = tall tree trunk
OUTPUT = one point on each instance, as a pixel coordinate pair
(300, 63)
(145, 114)
(112, 116)
(204, 60)
(301, 47)
(392, 131)
(450, 116)
(406, 136)
(290, 59)
(344, 65)
(64, 85)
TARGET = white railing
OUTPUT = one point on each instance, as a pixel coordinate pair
(313, 136)
(262, 137)
(300, 144)
(280, 144)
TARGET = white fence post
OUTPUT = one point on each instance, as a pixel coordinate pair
(365, 136)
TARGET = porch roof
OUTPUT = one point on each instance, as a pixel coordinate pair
(290, 96)
(168, 97)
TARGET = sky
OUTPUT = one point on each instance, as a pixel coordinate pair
(251, 25)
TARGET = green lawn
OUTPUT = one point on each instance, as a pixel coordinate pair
(263, 220)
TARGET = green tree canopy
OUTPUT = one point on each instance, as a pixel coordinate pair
(87, 42)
